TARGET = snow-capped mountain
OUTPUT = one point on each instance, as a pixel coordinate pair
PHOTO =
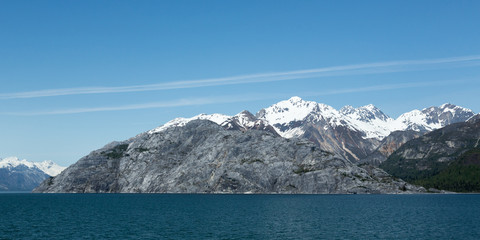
(23, 175)
(353, 133)
(369, 120)
(242, 121)
(433, 118)
(48, 167)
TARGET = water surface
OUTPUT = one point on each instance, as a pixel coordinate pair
(185, 216)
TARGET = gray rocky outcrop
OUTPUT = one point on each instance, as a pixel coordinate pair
(203, 157)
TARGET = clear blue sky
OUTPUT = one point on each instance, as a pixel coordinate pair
(76, 75)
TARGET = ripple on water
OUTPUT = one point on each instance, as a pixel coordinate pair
(183, 216)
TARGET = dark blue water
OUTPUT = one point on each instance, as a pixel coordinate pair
(158, 216)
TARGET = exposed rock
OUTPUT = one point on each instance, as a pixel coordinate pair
(450, 151)
(355, 133)
(247, 121)
(203, 157)
(389, 145)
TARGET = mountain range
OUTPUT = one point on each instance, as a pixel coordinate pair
(22, 175)
(355, 134)
(294, 146)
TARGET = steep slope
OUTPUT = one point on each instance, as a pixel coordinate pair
(389, 145)
(22, 175)
(242, 121)
(432, 118)
(414, 124)
(447, 153)
(353, 133)
(203, 157)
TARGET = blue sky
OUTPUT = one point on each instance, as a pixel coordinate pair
(76, 75)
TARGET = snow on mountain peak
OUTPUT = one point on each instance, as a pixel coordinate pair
(294, 109)
(367, 119)
(415, 120)
(288, 117)
(14, 162)
(454, 109)
(447, 105)
(246, 119)
(295, 99)
(370, 107)
(347, 110)
(180, 122)
(47, 167)
(365, 113)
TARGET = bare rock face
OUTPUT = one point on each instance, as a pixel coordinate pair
(389, 145)
(355, 133)
(429, 155)
(203, 157)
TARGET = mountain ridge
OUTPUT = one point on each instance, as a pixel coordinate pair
(353, 133)
(447, 158)
(368, 119)
(47, 166)
(23, 175)
(204, 157)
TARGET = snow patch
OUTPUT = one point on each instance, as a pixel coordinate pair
(293, 109)
(180, 122)
(47, 167)
(368, 119)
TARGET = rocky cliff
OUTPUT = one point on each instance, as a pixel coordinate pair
(447, 158)
(355, 133)
(203, 157)
(389, 145)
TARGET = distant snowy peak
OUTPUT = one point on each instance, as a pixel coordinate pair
(47, 167)
(50, 167)
(433, 118)
(451, 113)
(296, 109)
(286, 115)
(289, 116)
(366, 113)
(293, 109)
(416, 120)
(289, 119)
(14, 162)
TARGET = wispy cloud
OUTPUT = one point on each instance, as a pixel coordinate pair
(385, 87)
(228, 99)
(357, 69)
(164, 104)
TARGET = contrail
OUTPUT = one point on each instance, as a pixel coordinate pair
(227, 99)
(385, 87)
(357, 69)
